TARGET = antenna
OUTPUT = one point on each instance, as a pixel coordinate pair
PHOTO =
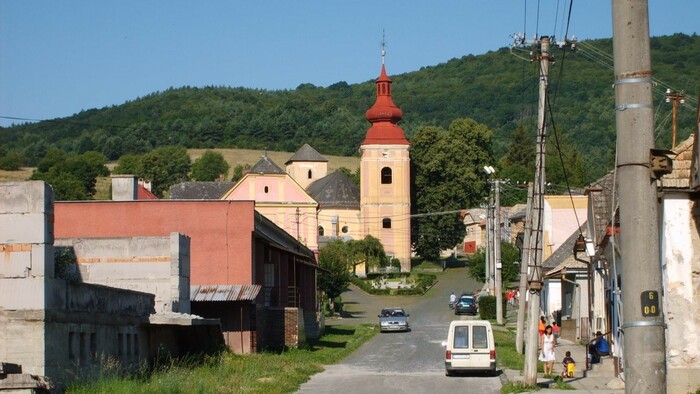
(383, 44)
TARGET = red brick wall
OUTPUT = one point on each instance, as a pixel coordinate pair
(220, 231)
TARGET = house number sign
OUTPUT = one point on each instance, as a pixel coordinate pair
(650, 303)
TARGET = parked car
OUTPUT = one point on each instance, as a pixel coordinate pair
(470, 347)
(393, 319)
(466, 304)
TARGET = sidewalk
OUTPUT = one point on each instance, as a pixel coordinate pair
(581, 382)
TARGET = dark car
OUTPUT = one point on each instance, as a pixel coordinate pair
(466, 304)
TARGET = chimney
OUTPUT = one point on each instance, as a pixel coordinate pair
(146, 184)
(124, 187)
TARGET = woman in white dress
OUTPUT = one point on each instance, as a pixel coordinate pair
(547, 344)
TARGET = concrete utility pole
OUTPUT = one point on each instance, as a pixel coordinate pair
(643, 325)
(674, 97)
(535, 279)
(497, 254)
(524, 263)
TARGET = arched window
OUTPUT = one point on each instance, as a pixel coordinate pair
(320, 231)
(386, 176)
(309, 174)
(386, 223)
(267, 189)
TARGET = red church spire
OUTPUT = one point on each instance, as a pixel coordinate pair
(384, 115)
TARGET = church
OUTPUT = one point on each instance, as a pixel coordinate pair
(316, 207)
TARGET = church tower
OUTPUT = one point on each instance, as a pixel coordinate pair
(385, 189)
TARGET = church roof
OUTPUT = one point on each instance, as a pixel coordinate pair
(384, 115)
(199, 190)
(307, 153)
(335, 191)
(266, 166)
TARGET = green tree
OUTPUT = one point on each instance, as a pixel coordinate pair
(209, 167)
(447, 169)
(129, 164)
(510, 271)
(335, 261)
(368, 251)
(238, 172)
(12, 161)
(354, 176)
(164, 167)
(72, 177)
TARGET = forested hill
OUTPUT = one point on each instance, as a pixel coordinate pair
(498, 89)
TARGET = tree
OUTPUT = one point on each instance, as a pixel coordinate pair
(164, 167)
(129, 164)
(447, 170)
(209, 167)
(510, 271)
(368, 251)
(335, 261)
(12, 161)
(72, 177)
(238, 172)
(354, 176)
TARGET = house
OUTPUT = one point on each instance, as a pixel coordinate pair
(55, 323)
(245, 270)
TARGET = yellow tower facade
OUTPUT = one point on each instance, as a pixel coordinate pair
(385, 188)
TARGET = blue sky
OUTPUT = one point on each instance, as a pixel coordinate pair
(60, 57)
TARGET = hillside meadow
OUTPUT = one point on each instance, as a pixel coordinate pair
(233, 157)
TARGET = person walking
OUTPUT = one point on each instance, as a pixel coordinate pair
(453, 300)
(547, 345)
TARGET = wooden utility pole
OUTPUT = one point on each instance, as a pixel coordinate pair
(674, 98)
(535, 278)
(524, 264)
(644, 347)
(497, 254)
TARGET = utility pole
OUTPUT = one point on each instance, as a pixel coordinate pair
(297, 217)
(643, 323)
(524, 264)
(535, 276)
(497, 254)
(674, 97)
(488, 249)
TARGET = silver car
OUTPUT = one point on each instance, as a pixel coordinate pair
(393, 319)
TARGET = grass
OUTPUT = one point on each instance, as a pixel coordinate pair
(508, 357)
(518, 387)
(232, 373)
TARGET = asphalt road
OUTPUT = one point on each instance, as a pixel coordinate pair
(410, 362)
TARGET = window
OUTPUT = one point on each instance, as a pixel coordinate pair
(386, 176)
(344, 229)
(136, 345)
(386, 223)
(309, 174)
(480, 339)
(461, 340)
(267, 189)
(320, 231)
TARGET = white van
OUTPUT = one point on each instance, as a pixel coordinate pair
(470, 347)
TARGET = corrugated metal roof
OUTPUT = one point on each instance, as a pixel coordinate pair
(224, 292)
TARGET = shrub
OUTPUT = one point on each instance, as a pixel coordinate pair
(487, 307)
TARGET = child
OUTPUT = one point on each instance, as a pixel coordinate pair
(569, 365)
